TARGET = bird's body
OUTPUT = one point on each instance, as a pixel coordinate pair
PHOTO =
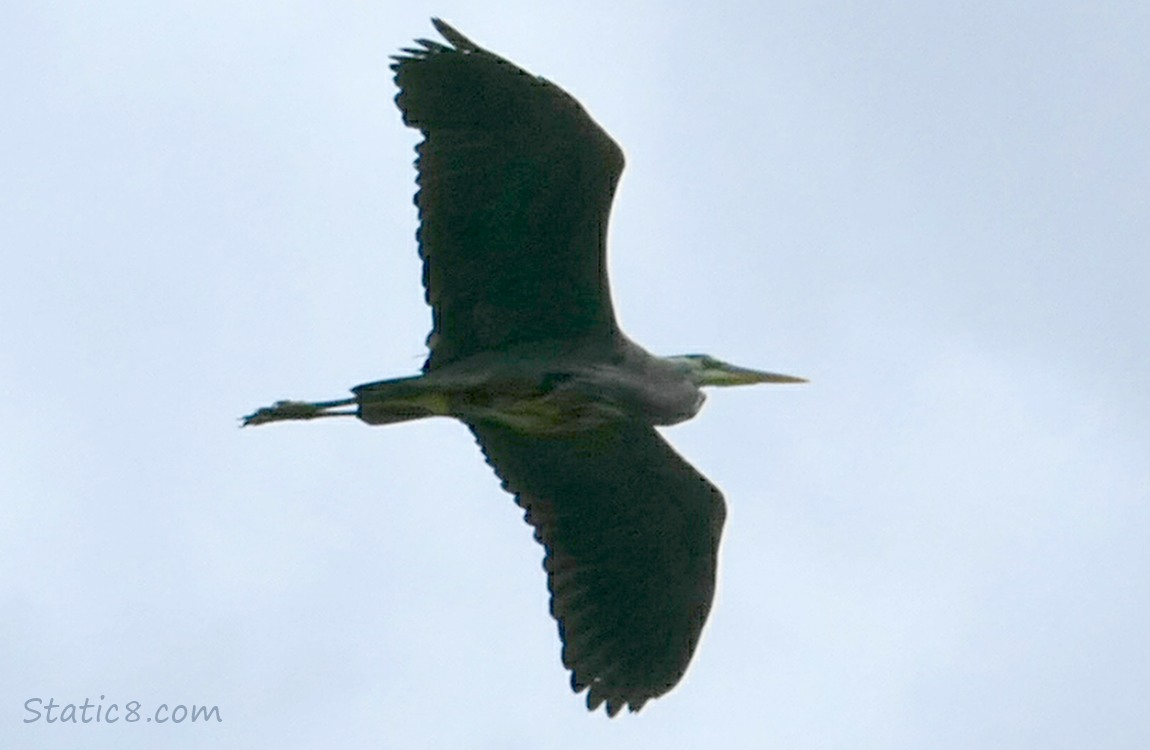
(516, 182)
(541, 388)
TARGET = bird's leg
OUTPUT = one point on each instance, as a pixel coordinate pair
(283, 410)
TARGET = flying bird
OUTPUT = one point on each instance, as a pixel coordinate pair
(515, 187)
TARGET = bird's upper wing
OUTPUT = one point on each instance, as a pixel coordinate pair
(632, 536)
(515, 188)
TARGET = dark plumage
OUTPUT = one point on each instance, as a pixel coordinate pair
(631, 552)
(512, 164)
(515, 188)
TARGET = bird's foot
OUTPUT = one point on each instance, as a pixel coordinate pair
(284, 410)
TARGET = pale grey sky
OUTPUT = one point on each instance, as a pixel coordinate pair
(937, 212)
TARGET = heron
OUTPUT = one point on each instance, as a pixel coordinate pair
(515, 183)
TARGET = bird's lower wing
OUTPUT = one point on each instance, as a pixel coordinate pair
(632, 533)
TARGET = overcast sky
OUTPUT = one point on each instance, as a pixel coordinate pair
(938, 212)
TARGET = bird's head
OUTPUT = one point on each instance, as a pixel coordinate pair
(706, 370)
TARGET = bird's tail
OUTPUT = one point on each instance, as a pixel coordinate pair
(399, 400)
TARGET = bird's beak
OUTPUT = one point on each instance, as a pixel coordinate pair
(732, 375)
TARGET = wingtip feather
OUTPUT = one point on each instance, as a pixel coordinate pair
(461, 43)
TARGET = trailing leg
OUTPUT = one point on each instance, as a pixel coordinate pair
(285, 410)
